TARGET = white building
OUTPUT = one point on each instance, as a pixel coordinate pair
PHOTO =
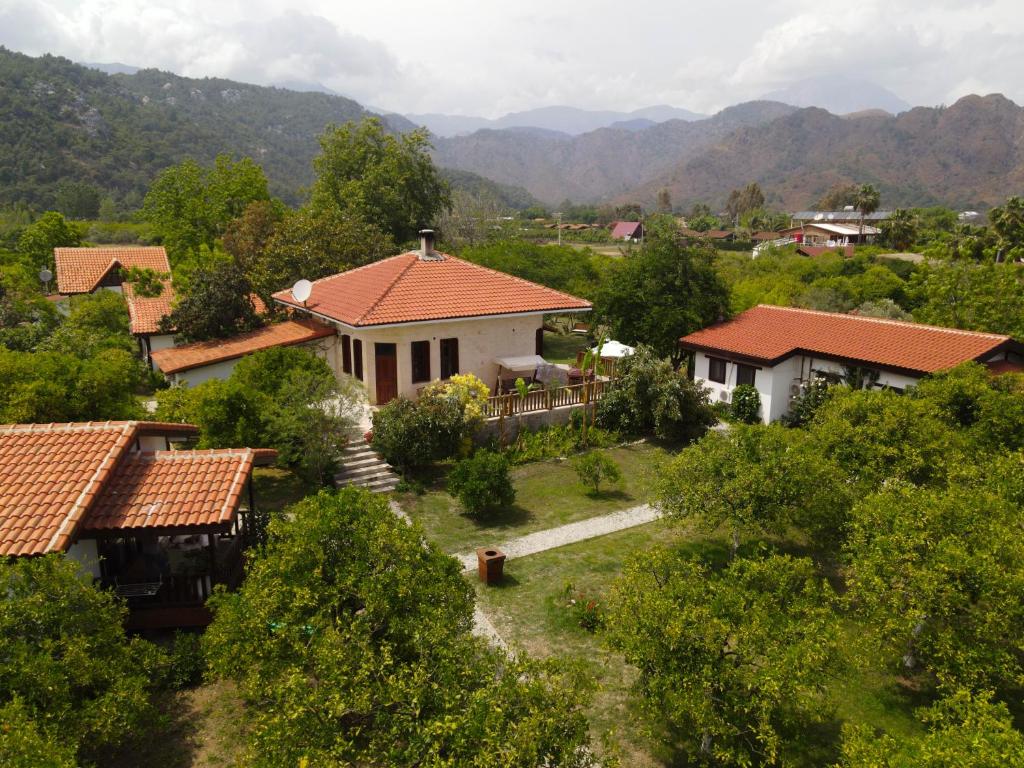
(778, 350)
(421, 316)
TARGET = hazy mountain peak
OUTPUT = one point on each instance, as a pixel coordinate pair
(839, 94)
(569, 120)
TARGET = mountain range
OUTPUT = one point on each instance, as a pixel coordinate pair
(60, 121)
(568, 120)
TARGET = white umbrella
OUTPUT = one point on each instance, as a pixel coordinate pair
(614, 349)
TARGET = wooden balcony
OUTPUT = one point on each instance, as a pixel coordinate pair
(512, 404)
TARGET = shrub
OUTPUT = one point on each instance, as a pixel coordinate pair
(187, 662)
(411, 434)
(651, 397)
(556, 442)
(594, 467)
(587, 610)
(805, 405)
(482, 483)
(438, 425)
(746, 404)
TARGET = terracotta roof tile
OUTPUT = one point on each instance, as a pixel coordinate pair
(50, 475)
(79, 270)
(146, 312)
(188, 356)
(172, 488)
(407, 289)
(771, 334)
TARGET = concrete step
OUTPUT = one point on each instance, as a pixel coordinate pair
(362, 467)
(369, 470)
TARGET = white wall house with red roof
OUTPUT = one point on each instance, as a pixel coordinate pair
(779, 350)
(422, 316)
(87, 270)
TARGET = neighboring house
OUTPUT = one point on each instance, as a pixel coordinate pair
(631, 231)
(84, 270)
(161, 527)
(828, 234)
(421, 316)
(200, 361)
(779, 350)
(765, 236)
(849, 215)
(145, 314)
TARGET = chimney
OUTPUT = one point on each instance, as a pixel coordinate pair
(427, 252)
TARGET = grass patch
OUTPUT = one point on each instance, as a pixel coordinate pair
(203, 727)
(548, 494)
(275, 488)
(562, 348)
(529, 612)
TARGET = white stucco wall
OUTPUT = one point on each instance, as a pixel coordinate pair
(84, 553)
(722, 393)
(480, 341)
(161, 341)
(775, 384)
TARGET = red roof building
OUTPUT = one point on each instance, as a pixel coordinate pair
(83, 270)
(779, 348)
(115, 499)
(410, 289)
(627, 230)
(422, 316)
(185, 361)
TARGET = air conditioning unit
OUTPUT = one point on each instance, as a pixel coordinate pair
(795, 390)
(723, 396)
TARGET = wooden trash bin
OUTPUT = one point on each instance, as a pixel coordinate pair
(490, 564)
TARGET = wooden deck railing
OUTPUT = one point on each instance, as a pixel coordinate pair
(544, 399)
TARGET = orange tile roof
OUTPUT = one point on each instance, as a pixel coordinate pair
(408, 289)
(79, 270)
(770, 334)
(146, 312)
(172, 489)
(199, 353)
(50, 474)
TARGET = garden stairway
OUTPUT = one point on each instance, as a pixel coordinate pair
(362, 467)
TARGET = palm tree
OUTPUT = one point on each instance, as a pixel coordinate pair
(900, 229)
(866, 200)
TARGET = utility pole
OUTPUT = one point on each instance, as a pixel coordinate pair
(559, 215)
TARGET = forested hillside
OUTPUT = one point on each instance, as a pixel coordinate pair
(63, 125)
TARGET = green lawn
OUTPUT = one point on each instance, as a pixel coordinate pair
(529, 611)
(559, 348)
(275, 488)
(548, 494)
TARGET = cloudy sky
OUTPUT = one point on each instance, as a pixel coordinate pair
(486, 58)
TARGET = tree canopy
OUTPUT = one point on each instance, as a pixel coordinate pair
(386, 180)
(666, 290)
(68, 674)
(733, 660)
(358, 650)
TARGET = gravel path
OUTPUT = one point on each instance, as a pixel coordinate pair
(570, 533)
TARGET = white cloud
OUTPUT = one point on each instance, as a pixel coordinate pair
(479, 57)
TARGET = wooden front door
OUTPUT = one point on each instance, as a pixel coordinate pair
(386, 367)
(538, 344)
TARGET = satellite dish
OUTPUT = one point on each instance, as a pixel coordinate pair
(302, 290)
(45, 275)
